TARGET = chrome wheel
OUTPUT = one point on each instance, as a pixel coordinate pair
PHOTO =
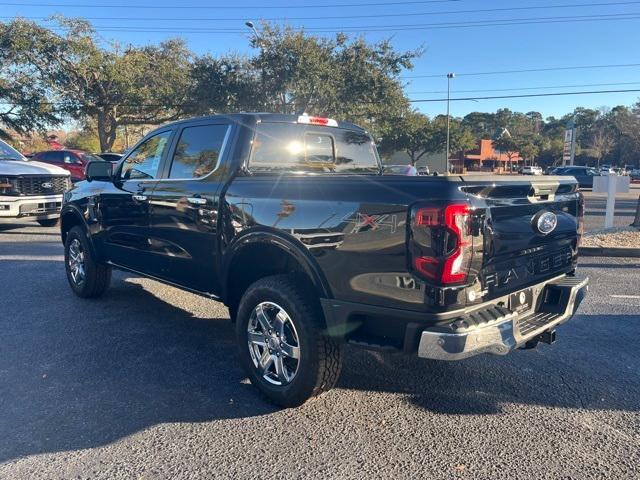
(76, 262)
(273, 343)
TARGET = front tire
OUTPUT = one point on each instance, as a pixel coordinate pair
(49, 222)
(87, 277)
(282, 344)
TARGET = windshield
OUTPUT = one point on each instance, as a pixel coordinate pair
(305, 148)
(7, 152)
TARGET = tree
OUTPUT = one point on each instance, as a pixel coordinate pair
(505, 143)
(626, 125)
(225, 84)
(85, 139)
(461, 138)
(349, 79)
(417, 136)
(480, 124)
(114, 86)
(23, 106)
(414, 135)
(601, 139)
(529, 147)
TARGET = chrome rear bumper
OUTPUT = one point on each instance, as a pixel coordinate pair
(497, 330)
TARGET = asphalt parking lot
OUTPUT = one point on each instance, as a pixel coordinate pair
(144, 384)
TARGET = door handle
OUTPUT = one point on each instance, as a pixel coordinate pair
(197, 200)
(139, 198)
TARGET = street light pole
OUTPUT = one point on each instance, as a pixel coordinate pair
(253, 28)
(449, 77)
(260, 45)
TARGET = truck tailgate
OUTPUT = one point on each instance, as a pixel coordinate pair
(527, 229)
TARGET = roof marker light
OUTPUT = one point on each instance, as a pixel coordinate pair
(326, 122)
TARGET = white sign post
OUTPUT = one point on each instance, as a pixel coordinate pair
(611, 184)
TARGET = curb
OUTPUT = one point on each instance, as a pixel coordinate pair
(609, 252)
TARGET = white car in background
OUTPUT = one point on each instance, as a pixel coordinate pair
(30, 189)
(531, 170)
(607, 170)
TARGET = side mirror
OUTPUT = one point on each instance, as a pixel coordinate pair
(99, 170)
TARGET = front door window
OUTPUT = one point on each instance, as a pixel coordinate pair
(144, 162)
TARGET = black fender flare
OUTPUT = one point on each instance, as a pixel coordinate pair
(287, 243)
(72, 210)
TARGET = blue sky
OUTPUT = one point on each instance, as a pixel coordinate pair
(607, 34)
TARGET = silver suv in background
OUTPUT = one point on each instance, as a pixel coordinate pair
(30, 189)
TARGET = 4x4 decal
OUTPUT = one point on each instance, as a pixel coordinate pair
(367, 222)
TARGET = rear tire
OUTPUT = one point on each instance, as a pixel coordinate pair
(87, 277)
(49, 222)
(281, 341)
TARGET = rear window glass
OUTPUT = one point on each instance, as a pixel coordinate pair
(308, 148)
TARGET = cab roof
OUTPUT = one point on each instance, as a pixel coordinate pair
(250, 118)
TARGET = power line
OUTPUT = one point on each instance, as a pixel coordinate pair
(529, 88)
(529, 70)
(502, 21)
(218, 7)
(386, 15)
(530, 95)
(382, 28)
(458, 99)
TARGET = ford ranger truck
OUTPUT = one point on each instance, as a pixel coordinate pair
(30, 189)
(289, 221)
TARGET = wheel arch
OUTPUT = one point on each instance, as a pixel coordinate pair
(258, 254)
(71, 217)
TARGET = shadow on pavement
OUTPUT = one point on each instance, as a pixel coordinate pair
(78, 373)
(590, 367)
(82, 373)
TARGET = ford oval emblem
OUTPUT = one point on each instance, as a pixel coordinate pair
(545, 222)
(47, 185)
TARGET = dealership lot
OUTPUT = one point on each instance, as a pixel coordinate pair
(144, 384)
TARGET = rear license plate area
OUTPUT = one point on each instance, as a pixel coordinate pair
(521, 301)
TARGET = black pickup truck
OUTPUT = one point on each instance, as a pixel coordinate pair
(289, 221)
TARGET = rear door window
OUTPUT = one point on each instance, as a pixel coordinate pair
(198, 151)
(309, 148)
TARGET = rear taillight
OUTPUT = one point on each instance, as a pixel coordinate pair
(441, 243)
(580, 219)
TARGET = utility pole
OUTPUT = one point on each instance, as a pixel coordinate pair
(449, 77)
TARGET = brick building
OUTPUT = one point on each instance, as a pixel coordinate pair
(486, 157)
